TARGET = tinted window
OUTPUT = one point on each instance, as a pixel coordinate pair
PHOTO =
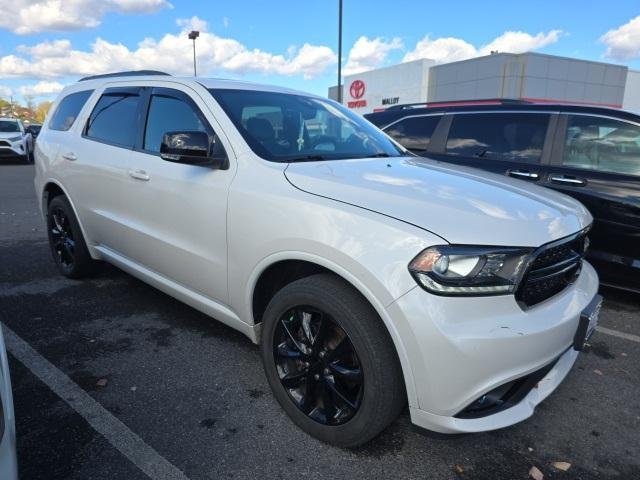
(603, 144)
(167, 114)
(414, 133)
(498, 136)
(68, 109)
(285, 127)
(9, 126)
(114, 119)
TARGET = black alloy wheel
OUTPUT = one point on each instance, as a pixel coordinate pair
(62, 238)
(67, 244)
(318, 365)
(330, 361)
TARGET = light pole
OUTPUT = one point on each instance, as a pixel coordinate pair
(339, 51)
(192, 36)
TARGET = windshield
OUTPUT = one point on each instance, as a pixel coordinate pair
(283, 127)
(9, 126)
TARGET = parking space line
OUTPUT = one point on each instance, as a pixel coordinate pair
(117, 433)
(616, 333)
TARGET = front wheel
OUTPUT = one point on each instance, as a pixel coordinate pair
(330, 361)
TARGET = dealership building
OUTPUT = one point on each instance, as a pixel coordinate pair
(527, 76)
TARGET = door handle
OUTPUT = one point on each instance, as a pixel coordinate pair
(139, 175)
(70, 156)
(573, 181)
(526, 174)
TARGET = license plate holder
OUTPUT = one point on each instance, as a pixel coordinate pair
(588, 323)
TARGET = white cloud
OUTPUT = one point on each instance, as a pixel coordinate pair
(5, 91)
(368, 54)
(193, 23)
(57, 48)
(623, 43)
(40, 89)
(520, 42)
(451, 49)
(171, 53)
(442, 50)
(32, 16)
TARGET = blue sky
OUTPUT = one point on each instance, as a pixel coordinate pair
(46, 43)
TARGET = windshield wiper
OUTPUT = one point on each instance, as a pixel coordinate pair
(375, 155)
(305, 158)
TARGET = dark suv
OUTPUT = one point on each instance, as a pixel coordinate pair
(590, 153)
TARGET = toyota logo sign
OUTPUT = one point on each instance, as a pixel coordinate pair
(357, 89)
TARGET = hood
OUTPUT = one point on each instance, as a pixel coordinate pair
(462, 205)
(10, 134)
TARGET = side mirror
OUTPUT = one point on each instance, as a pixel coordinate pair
(192, 148)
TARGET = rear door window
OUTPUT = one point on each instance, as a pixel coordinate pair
(68, 109)
(515, 137)
(414, 133)
(602, 144)
(114, 119)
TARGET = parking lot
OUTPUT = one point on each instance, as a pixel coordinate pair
(113, 379)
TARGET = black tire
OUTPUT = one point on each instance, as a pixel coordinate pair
(67, 244)
(28, 159)
(381, 393)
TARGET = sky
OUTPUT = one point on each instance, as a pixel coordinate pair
(47, 44)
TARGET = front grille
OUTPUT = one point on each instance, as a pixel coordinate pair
(4, 144)
(554, 267)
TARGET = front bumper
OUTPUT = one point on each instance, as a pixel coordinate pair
(462, 348)
(11, 149)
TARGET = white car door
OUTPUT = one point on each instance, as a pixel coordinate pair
(179, 210)
(97, 164)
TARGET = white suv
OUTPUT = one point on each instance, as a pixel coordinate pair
(15, 140)
(370, 277)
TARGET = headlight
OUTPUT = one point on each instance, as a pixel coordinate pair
(467, 270)
(15, 139)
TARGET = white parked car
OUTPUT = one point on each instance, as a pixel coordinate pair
(8, 461)
(15, 141)
(370, 278)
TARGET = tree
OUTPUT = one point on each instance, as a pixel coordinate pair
(41, 110)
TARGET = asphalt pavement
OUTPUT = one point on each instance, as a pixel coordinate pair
(113, 379)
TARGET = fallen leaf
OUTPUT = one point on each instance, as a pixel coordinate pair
(134, 388)
(102, 382)
(530, 449)
(458, 468)
(597, 372)
(536, 474)
(623, 354)
(564, 466)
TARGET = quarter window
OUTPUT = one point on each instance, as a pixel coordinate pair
(603, 144)
(68, 109)
(168, 114)
(414, 133)
(114, 118)
(498, 136)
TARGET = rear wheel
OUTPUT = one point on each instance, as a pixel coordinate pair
(330, 361)
(67, 244)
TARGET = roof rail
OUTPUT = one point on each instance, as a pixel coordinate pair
(132, 73)
(453, 103)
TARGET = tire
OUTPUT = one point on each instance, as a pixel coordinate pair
(366, 354)
(67, 244)
(28, 159)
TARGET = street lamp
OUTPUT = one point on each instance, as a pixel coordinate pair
(192, 36)
(339, 51)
